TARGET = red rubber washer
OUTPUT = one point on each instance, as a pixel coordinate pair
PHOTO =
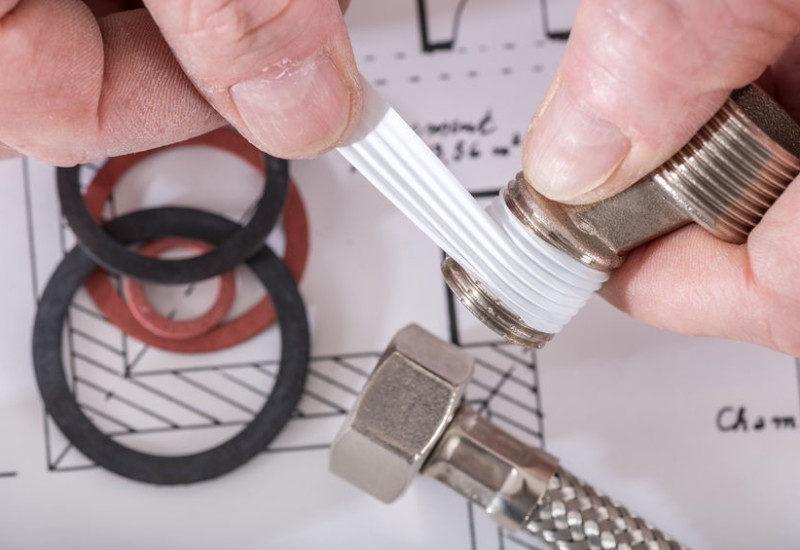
(230, 333)
(149, 317)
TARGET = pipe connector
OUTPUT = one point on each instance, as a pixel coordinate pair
(410, 418)
(724, 179)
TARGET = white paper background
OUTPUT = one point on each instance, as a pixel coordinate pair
(628, 407)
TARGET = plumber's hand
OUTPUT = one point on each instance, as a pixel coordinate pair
(638, 79)
(85, 80)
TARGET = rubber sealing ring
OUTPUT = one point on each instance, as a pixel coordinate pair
(227, 334)
(152, 320)
(232, 251)
(168, 470)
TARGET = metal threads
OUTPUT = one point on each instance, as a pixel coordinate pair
(572, 514)
(728, 175)
(520, 201)
(554, 223)
(488, 309)
(724, 179)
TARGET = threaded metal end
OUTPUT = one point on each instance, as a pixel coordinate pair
(724, 179)
(488, 309)
(557, 224)
(732, 171)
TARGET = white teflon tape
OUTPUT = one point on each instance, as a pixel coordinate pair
(544, 286)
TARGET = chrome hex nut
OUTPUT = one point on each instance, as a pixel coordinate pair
(403, 410)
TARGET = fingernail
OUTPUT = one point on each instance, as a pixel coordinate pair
(295, 110)
(570, 150)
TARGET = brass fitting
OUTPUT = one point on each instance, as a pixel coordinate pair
(724, 179)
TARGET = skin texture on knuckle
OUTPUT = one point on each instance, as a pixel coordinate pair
(658, 70)
(87, 88)
(223, 42)
(218, 31)
(636, 66)
(146, 97)
(281, 72)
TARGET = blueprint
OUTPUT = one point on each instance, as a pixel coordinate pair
(698, 435)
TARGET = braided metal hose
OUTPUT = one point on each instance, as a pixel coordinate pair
(573, 515)
(410, 418)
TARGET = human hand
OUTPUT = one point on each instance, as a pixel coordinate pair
(81, 81)
(637, 80)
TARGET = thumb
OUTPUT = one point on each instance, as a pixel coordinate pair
(638, 79)
(281, 71)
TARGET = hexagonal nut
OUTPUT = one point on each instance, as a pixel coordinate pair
(405, 406)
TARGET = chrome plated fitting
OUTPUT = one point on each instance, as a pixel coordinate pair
(401, 413)
(410, 419)
(724, 179)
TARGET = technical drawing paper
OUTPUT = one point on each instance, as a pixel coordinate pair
(698, 435)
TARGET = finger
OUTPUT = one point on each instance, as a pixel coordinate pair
(691, 282)
(74, 89)
(773, 249)
(638, 79)
(281, 71)
(146, 97)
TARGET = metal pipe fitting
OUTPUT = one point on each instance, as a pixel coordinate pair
(724, 179)
(410, 419)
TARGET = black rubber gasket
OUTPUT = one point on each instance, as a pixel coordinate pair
(233, 249)
(168, 470)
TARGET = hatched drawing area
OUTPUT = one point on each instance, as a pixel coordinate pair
(137, 398)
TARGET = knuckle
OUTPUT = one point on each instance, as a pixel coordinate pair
(656, 36)
(627, 53)
(230, 23)
(662, 37)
